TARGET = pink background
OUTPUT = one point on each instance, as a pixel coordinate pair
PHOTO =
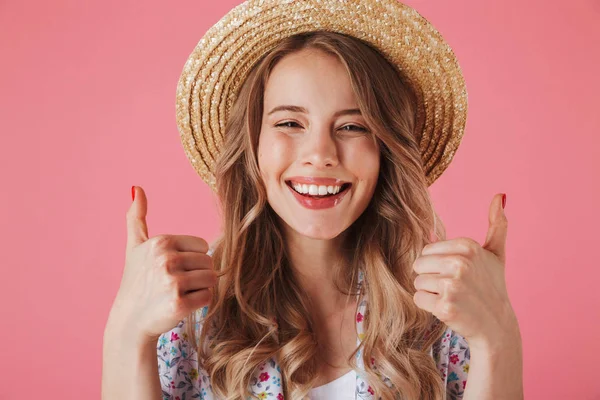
(87, 110)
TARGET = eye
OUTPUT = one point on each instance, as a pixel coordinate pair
(355, 128)
(285, 124)
(348, 128)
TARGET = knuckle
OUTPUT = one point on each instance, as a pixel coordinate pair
(213, 277)
(417, 264)
(206, 297)
(172, 284)
(178, 304)
(458, 265)
(206, 261)
(447, 311)
(204, 242)
(417, 282)
(459, 271)
(451, 286)
(447, 285)
(206, 279)
(469, 246)
(161, 242)
(169, 261)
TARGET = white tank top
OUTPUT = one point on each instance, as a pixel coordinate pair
(343, 388)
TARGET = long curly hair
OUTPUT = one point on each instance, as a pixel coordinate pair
(259, 310)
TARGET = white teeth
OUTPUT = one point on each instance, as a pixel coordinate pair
(315, 190)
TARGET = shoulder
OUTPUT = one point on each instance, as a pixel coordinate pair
(179, 371)
(182, 375)
(452, 356)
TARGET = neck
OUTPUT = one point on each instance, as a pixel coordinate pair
(313, 262)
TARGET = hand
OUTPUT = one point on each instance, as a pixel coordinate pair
(165, 277)
(463, 284)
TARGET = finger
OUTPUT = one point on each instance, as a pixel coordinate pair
(197, 299)
(443, 264)
(428, 283)
(190, 243)
(459, 245)
(137, 229)
(497, 231)
(197, 280)
(426, 301)
(192, 261)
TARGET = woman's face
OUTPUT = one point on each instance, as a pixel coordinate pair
(313, 138)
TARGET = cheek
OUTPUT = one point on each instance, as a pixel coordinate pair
(275, 154)
(363, 159)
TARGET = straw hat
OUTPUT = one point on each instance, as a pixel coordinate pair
(220, 62)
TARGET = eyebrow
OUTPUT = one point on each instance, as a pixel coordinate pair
(298, 109)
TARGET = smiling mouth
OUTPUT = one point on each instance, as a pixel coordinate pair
(343, 188)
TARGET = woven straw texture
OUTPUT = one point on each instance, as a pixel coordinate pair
(220, 62)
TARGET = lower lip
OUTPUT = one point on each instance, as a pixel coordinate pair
(319, 204)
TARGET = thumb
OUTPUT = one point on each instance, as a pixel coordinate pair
(137, 230)
(496, 235)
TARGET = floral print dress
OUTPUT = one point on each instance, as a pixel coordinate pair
(182, 377)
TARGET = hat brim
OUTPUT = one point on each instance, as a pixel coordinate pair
(222, 59)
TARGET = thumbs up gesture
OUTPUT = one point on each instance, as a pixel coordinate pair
(462, 283)
(165, 278)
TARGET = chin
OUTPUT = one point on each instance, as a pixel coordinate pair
(319, 231)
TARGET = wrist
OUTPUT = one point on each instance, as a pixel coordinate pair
(498, 344)
(505, 332)
(120, 334)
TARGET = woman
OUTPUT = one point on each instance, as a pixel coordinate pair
(326, 212)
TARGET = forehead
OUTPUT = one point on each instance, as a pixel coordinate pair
(311, 77)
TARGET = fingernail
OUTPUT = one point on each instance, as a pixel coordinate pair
(133, 193)
(503, 200)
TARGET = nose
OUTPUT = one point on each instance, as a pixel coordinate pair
(320, 148)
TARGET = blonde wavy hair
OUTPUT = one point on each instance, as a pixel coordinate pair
(257, 286)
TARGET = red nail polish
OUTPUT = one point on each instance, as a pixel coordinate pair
(133, 193)
(503, 200)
